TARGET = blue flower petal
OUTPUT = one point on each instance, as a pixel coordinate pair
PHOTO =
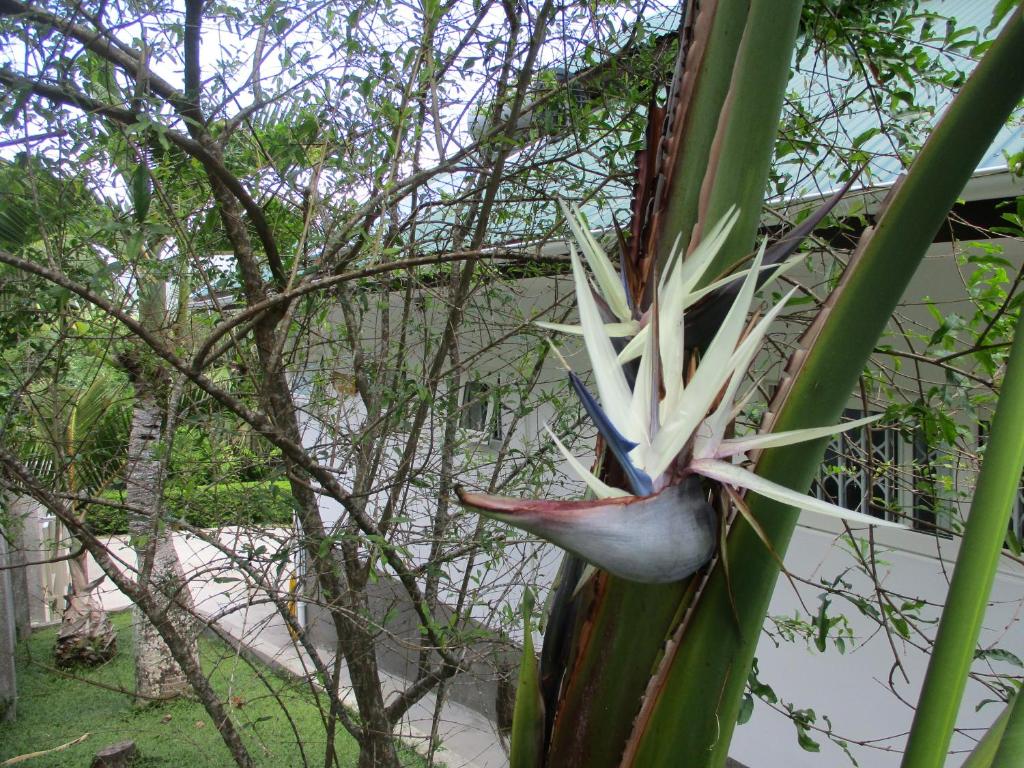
(639, 482)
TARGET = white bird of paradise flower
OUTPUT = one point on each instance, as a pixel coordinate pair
(663, 528)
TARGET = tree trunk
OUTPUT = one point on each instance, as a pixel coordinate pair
(376, 742)
(86, 635)
(157, 675)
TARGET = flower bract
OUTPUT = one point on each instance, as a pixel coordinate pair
(667, 431)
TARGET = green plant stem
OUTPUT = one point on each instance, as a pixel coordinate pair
(744, 144)
(712, 74)
(973, 575)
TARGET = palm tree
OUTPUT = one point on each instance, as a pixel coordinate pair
(72, 422)
(77, 441)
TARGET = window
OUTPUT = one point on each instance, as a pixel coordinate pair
(1015, 528)
(928, 516)
(481, 410)
(858, 472)
(862, 471)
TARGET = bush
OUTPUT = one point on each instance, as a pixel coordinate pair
(214, 506)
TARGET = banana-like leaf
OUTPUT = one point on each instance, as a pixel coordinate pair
(713, 655)
(1001, 739)
(697, 103)
(1010, 753)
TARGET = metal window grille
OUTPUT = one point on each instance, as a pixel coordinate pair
(1015, 528)
(858, 472)
(481, 409)
(930, 515)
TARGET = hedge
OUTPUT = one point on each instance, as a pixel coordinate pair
(258, 503)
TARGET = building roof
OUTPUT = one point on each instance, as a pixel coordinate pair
(564, 166)
(817, 85)
(820, 85)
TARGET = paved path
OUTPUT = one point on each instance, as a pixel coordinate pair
(468, 738)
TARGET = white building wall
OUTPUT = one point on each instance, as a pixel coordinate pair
(495, 351)
(861, 691)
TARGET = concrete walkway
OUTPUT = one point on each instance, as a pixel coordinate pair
(468, 739)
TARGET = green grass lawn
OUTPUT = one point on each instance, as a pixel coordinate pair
(54, 709)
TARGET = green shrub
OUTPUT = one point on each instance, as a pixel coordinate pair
(213, 506)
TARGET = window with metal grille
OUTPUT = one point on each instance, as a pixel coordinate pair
(481, 409)
(930, 514)
(1015, 528)
(859, 470)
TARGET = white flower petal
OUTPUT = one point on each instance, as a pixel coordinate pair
(682, 415)
(635, 347)
(694, 296)
(574, 330)
(612, 387)
(601, 489)
(682, 277)
(740, 363)
(607, 277)
(614, 330)
(644, 405)
(738, 477)
(674, 298)
(777, 439)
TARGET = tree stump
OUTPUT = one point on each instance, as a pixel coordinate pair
(120, 755)
(86, 635)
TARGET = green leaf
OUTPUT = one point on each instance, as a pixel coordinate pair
(1002, 8)
(805, 741)
(746, 709)
(528, 720)
(141, 192)
(822, 622)
(998, 654)
(1011, 746)
(985, 750)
